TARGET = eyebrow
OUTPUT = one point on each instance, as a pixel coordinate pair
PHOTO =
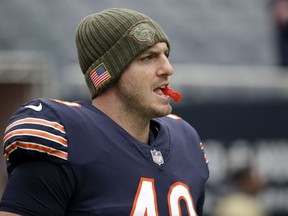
(153, 50)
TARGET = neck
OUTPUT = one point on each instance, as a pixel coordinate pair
(133, 123)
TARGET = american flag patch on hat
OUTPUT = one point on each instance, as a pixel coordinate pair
(99, 75)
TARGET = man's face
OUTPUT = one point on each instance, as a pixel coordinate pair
(139, 87)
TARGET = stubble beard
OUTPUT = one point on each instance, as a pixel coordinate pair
(134, 102)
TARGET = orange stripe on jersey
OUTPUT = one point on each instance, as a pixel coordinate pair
(206, 158)
(35, 147)
(173, 116)
(36, 133)
(37, 121)
(201, 146)
(71, 104)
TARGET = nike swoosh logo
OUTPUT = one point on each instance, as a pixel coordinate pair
(36, 108)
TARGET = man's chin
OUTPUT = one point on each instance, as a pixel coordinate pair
(164, 111)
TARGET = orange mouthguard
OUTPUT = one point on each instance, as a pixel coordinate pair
(176, 96)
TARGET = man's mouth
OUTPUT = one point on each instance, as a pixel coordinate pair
(159, 90)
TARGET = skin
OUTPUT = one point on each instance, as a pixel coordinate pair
(8, 214)
(137, 98)
(280, 12)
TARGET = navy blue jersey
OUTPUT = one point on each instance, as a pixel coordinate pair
(109, 172)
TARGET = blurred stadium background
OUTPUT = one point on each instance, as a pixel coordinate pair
(225, 61)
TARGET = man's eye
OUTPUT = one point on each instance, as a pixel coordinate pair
(148, 57)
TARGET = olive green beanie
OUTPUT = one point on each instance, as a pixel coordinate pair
(108, 41)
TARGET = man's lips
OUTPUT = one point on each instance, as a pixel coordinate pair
(159, 91)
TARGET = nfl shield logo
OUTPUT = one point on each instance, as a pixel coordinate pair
(157, 157)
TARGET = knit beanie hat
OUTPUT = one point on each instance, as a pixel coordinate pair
(108, 41)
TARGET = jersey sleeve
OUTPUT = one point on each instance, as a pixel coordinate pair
(38, 188)
(35, 131)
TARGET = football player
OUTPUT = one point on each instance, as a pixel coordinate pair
(123, 152)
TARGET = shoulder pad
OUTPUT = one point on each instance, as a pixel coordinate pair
(35, 131)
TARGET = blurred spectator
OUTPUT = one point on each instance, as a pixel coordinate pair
(3, 177)
(280, 18)
(238, 196)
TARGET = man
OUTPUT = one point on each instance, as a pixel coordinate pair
(280, 18)
(122, 154)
